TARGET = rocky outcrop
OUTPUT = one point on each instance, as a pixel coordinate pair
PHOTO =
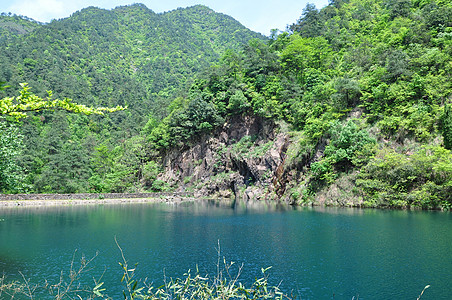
(252, 158)
(242, 160)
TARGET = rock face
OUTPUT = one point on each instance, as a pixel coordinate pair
(242, 160)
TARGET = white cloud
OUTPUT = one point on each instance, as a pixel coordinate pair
(42, 10)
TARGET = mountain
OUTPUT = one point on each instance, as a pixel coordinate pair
(95, 52)
(16, 25)
(127, 56)
(351, 106)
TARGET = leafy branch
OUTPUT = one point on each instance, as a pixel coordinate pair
(17, 107)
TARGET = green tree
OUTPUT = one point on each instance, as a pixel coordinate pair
(349, 147)
(11, 173)
(421, 179)
(398, 8)
(150, 172)
(67, 167)
(238, 103)
(310, 23)
(347, 93)
(303, 54)
(447, 126)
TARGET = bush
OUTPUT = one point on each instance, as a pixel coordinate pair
(349, 147)
(423, 179)
(160, 186)
(150, 172)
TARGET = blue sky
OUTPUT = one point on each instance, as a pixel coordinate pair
(258, 15)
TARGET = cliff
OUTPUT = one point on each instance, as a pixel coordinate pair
(243, 159)
(253, 158)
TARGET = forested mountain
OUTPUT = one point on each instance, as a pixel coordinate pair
(130, 48)
(361, 93)
(128, 56)
(350, 105)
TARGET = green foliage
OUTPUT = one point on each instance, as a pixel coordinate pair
(318, 122)
(184, 124)
(226, 284)
(422, 179)
(199, 117)
(420, 121)
(238, 103)
(347, 92)
(17, 107)
(310, 23)
(386, 62)
(160, 186)
(66, 168)
(250, 147)
(349, 147)
(447, 126)
(128, 57)
(150, 172)
(302, 55)
(11, 173)
(243, 146)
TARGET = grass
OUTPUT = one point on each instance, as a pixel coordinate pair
(224, 285)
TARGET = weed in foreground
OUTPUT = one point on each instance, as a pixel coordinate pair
(224, 285)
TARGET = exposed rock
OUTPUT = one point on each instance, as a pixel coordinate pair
(253, 159)
(241, 160)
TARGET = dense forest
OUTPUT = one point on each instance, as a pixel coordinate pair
(128, 56)
(361, 89)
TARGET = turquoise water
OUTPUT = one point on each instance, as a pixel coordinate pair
(317, 253)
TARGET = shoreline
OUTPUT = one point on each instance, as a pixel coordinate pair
(44, 200)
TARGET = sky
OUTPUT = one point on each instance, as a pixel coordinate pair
(257, 15)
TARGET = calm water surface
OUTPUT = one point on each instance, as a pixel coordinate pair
(318, 253)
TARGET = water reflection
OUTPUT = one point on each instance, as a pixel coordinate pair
(316, 252)
(9, 265)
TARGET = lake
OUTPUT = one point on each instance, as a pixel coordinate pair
(316, 253)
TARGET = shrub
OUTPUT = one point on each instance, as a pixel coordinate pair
(423, 179)
(349, 147)
(150, 172)
(160, 186)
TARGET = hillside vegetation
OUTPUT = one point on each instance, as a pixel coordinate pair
(128, 56)
(361, 90)
(365, 88)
